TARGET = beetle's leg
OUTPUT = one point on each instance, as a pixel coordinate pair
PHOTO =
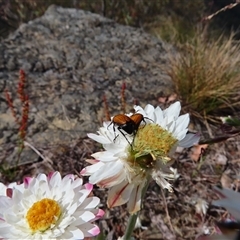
(113, 130)
(144, 122)
(115, 137)
(110, 124)
(134, 135)
(124, 136)
(148, 119)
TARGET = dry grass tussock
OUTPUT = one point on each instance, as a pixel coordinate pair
(206, 75)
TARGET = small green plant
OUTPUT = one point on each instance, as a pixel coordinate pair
(206, 75)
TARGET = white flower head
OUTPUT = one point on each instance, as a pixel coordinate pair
(48, 207)
(124, 168)
(201, 206)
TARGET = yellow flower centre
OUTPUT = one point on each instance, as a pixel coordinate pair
(151, 143)
(43, 214)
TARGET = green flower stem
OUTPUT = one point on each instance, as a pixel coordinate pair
(133, 218)
(130, 227)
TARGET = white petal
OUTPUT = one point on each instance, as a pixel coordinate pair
(90, 202)
(92, 169)
(119, 145)
(106, 124)
(181, 135)
(55, 180)
(77, 234)
(189, 140)
(43, 177)
(134, 203)
(119, 194)
(90, 230)
(182, 121)
(104, 156)
(149, 109)
(159, 115)
(139, 109)
(149, 112)
(77, 183)
(173, 110)
(171, 126)
(162, 182)
(6, 203)
(113, 180)
(3, 189)
(85, 215)
(110, 169)
(99, 138)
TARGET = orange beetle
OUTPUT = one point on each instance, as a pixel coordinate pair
(137, 118)
(128, 124)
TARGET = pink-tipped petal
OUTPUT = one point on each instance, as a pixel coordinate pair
(9, 192)
(83, 171)
(69, 176)
(55, 179)
(50, 175)
(89, 230)
(88, 186)
(92, 169)
(94, 231)
(99, 214)
(27, 181)
(92, 161)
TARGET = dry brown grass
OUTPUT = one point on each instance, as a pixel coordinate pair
(206, 75)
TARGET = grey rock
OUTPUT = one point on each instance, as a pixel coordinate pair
(71, 59)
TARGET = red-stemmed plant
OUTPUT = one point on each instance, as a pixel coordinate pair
(22, 120)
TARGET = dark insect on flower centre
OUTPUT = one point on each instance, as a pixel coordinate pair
(127, 124)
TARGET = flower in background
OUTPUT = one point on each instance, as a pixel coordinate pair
(125, 169)
(48, 207)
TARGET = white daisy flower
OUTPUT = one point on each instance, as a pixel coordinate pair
(48, 207)
(124, 168)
